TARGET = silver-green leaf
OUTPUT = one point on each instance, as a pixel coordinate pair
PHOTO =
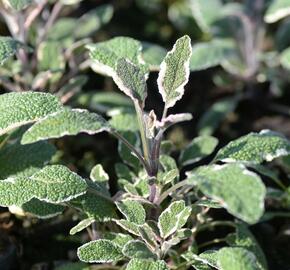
(18, 109)
(63, 123)
(138, 264)
(173, 218)
(100, 251)
(8, 47)
(174, 72)
(277, 10)
(238, 190)
(255, 148)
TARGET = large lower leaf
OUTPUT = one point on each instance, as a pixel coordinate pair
(24, 160)
(174, 72)
(238, 190)
(255, 148)
(65, 122)
(8, 47)
(53, 184)
(100, 251)
(18, 109)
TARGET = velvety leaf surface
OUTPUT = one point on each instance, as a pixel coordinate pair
(18, 109)
(42, 209)
(54, 184)
(174, 72)
(137, 264)
(95, 206)
(173, 218)
(8, 47)
(120, 239)
(238, 190)
(131, 79)
(24, 160)
(124, 122)
(99, 251)
(255, 148)
(98, 174)
(277, 10)
(106, 54)
(132, 210)
(63, 123)
(153, 55)
(199, 148)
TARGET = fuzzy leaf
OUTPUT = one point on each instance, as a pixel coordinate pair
(24, 160)
(237, 258)
(18, 109)
(19, 4)
(173, 218)
(174, 119)
(148, 235)
(63, 123)
(8, 47)
(106, 54)
(95, 206)
(133, 211)
(100, 251)
(131, 79)
(137, 249)
(81, 225)
(128, 226)
(238, 190)
(199, 148)
(174, 72)
(53, 184)
(42, 210)
(277, 10)
(124, 122)
(255, 148)
(137, 264)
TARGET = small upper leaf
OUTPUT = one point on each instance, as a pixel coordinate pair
(65, 122)
(8, 47)
(238, 190)
(131, 79)
(133, 211)
(277, 10)
(173, 218)
(255, 148)
(100, 251)
(18, 109)
(174, 72)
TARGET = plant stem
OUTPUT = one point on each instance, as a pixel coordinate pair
(132, 148)
(144, 139)
(214, 224)
(214, 241)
